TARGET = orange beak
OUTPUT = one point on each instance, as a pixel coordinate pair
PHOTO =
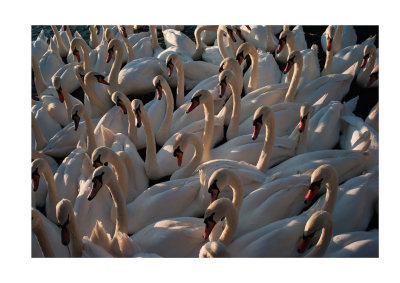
(303, 244)
(257, 128)
(288, 67)
(103, 81)
(328, 44)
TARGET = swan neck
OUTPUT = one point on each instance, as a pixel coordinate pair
(231, 226)
(209, 127)
(253, 81)
(132, 131)
(323, 243)
(290, 42)
(121, 224)
(233, 128)
(164, 130)
(197, 35)
(129, 49)
(331, 193)
(39, 137)
(294, 82)
(91, 141)
(120, 171)
(116, 67)
(221, 45)
(85, 50)
(154, 39)
(93, 98)
(67, 99)
(93, 37)
(52, 194)
(129, 168)
(237, 189)
(38, 77)
(151, 163)
(43, 240)
(328, 63)
(180, 90)
(60, 44)
(263, 161)
(76, 238)
(188, 170)
(337, 39)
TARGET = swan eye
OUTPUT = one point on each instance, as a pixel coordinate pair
(196, 99)
(177, 151)
(209, 219)
(257, 120)
(97, 162)
(374, 75)
(240, 55)
(316, 185)
(366, 57)
(221, 69)
(35, 173)
(223, 81)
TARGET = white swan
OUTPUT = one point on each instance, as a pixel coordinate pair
(343, 36)
(50, 62)
(39, 46)
(367, 66)
(282, 51)
(38, 230)
(80, 247)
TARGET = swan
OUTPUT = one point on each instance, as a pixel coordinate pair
(64, 96)
(41, 167)
(261, 37)
(263, 241)
(356, 134)
(354, 244)
(50, 62)
(62, 49)
(346, 57)
(46, 243)
(298, 40)
(136, 78)
(343, 36)
(373, 118)
(264, 70)
(130, 173)
(42, 87)
(208, 38)
(39, 46)
(214, 249)
(80, 247)
(367, 65)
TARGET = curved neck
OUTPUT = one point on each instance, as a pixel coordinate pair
(39, 137)
(302, 139)
(62, 50)
(52, 194)
(237, 189)
(263, 161)
(132, 131)
(154, 39)
(43, 240)
(324, 240)
(151, 163)
(93, 37)
(76, 238)
(91, 141)
(120, 170)
(221, 45)
(208, 128)
(67, 99)
(233, 128)
(328, 63)
(69, 35)
(121, 224)
(129, 49)
(253, 81)
(38, 77)
(188, 170)
(116, 67)
(86, 64)
(199, 42)
(127, 162)
(337, 39)
(164, 131)
(294, 82)
(231, 226)
(180, 90)
(92, 96)
(331, 193)
(291, 44)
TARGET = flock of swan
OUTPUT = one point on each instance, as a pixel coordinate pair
(235, 145)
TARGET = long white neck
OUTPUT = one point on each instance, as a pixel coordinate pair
(43, 240)
(237, 189)
(295, 81)
(127, 163)
(86, 64)
(121, 224)
(52, 194)
(253, 81)
(164, 131)
(38, 77)
(337, 40)
(265, 156)
(233, 128)
(62, 50)
(94, 100)
(231, 226)
(208, 128)
(151, 164)
(291, 45)
(154, 39)
(197, 35)
(91, 141)
(188, 170)
(119, 170)
(180, 90)
(221, 45)
(324, 240)
(39, 137)
(129, 49)
(69, 35)
(76, 238)
(93, 37)
(331, 193)
(328, 63)
(270, 42)
(132, 131)
(67, 99)
(116, 67)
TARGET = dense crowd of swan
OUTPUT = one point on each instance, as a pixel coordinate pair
(229, 157)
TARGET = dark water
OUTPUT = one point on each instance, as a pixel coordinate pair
(367, 97)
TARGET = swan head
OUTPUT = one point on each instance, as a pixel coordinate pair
(261, 116)
(182, 140)
(305, 113)
(199, 97)
(171, 60)
(114, 45)
(38, 167)
(79, 72)
(228, 30)
(215, 212)
(64, 211)
(283, 39)
(330, 32)
(219, 180)
(100, 156)
(159, 83)
(120, 100)
(57, 85)
(109, 34)
(122, 30)
(75, 43)
(227, 63)
(225, 77)
(369, 50)
(243, 51)
(102, 175)
(137, 106)
(373, 77)
(77, 112)
(238, 32)
(293, 58)
(319, 178)
(317, 222)
(91, 77)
